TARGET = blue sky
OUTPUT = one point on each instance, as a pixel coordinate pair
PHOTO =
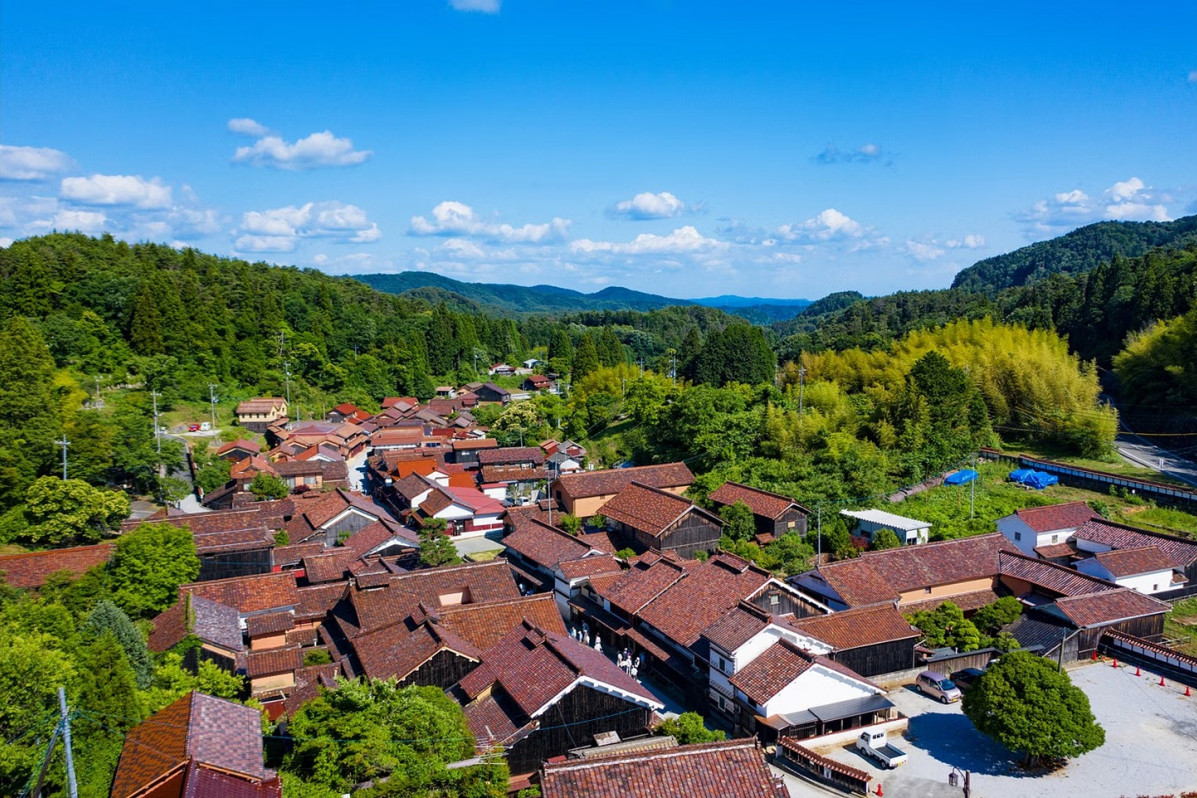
(684, 148)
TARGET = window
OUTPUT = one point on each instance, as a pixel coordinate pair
(1018, 536)
(927, 590)
(774, 599)
(1055, 538)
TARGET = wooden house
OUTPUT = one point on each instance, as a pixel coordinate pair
(584, 493)
(651, 518)
(774, 514)
(258, 414)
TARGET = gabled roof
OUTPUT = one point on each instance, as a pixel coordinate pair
(198, 729)
(511, 454)
(587, 484)
(485, 623)
(241, 444)
(545, 545)
(248, 594)
(761, 502)
(471, 582)
(1049, 576)
(874, 577)
(263, 404)
(1182, 553)
(466, 444)
(889, 520)
(273, 661)
(737, 627)
(708, 592)
(370, 537)
(496, 474)
(1132, 562)
(651, 510)
(728, 769)
(1099, 609)
(536, 666)
(864, 626)
(589, 566)
(1054, 517)
(780, 664)
(395, 651)
(208, 620)
(649, 577)
(31, 569)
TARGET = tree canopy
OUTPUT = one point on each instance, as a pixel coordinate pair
(1030, 706)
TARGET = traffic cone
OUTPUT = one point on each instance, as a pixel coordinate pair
(1187, 693)
(1162, 682)
(879, 792)
(1115, 664)
(1095, 656)
(1137, 672)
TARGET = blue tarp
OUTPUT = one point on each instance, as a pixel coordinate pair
(961, 477)
(1033, 479)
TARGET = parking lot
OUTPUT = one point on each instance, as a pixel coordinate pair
(1150, 746)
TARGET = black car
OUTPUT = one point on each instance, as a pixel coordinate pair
(966, 678)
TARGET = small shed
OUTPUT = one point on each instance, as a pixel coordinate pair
(910, 531)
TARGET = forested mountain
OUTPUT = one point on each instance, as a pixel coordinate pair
(1074, 253)
(516, 299)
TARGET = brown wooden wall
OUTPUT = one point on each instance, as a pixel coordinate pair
(443, 670)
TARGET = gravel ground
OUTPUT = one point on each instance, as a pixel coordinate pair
(1150, 745)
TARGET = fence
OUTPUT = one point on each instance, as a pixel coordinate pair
(1161, 492)
(1181, 666)
(947, 664)
(821, 768)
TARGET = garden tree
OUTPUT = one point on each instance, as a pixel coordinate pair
(371, 730)
(738, 353)
(738, 521)
(990, 619)
(107, 684)
(836, 540)
(688, 728)
(586, 359)
(571, 523)
(148, 565)
(32, 668)
(946, 627)
(29, 418)
(436, 547)
(107, 618)
(67, 512)
(172, 680)
(885, 539)
(76, 593)
(519, 423)
(1030, 706)
(213, 474)
(267, 486)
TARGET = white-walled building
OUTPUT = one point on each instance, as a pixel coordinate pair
(910, 531)
(1039, 527)
(1145, 569)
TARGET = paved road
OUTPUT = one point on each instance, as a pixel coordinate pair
(357, 472)
(1143, 452)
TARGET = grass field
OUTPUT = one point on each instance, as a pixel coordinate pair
(1181, 625)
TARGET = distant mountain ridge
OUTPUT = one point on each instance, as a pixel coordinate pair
(517, 299)
(1072, 253)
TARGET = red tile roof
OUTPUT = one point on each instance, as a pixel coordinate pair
(197, 727)
(511, 455)
(545, 545)
(1182, 553)
(708, 592)
(240, 444)
(248, 594)
(865, 626)
(1131, 562)
(737, 627)
(780, 664)
(273, 661)
(495, 474)
(476, 582)
(728, 769)
(651, 510)
(31, 569)
(874, 577)
(259, 405)
(1100, 609)
(1055, 516)
(486, 623)
(648, 578)
(761, 502)
(1048, 576)
(211, 622)
(587, 484)
(589, 566)
(395, 651)
(270, 623)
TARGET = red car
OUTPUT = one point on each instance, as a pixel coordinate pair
(193, 427)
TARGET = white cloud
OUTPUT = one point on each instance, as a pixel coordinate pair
(924, 250)
(279, 229)
(647, 205)
(247, 127)
(31, 163)
(90, 222)
(481, 6)
(865, 153)
(828, 225)
(128, 190)
(318, 149)
(682, 240)
(461, 248)
(1193, 76)
(1126, 200)
(5, 242)
(458, 220)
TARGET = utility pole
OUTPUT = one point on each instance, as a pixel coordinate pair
(287, 371)
(99, 403)
(972, 491)
(212, 401)
(673, 369)
(64, 443)
(819, 540)
(72, 787)
(801, 387)
(157, 435)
